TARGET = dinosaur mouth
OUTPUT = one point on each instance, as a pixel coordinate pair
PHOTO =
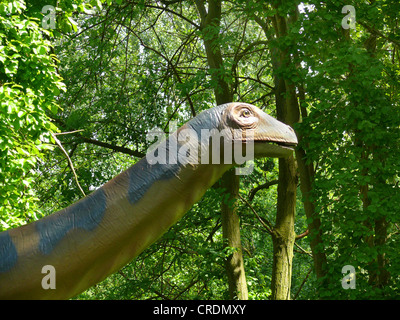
(272, 147)
(283, 144)
(289, 145)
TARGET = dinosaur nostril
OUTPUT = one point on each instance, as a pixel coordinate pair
(291, 129)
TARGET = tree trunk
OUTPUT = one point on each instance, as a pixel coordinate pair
(283, 233)
(379, 276)
(306, 174)
(210, 20)
(231, 233)
(230, 221)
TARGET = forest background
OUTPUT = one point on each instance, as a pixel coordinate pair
(82, 82)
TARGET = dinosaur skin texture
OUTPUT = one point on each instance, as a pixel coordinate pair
(104, 231)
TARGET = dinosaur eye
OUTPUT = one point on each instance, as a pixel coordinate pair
(245, 113)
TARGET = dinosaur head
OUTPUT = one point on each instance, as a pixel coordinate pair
(250, 125)
(223, 134)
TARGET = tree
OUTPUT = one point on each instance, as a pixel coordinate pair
(210, 28)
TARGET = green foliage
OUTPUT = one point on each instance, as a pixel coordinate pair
(28, 86)
(353, 135)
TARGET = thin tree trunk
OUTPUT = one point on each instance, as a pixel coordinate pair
(379, 276)
(210, 18)
(231, 233)
(284, 235)
(306, 173)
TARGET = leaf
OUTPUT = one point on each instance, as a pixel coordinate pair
(99, 4)
(42, 50)
(73, 24)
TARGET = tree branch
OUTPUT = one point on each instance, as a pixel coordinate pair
(379, 33)
(265, 223)
(202, 9)
(302, 235)
(174, 13)
(113, 147)
(266, 185)
(302, 284)
(173, 67)
(69, 162)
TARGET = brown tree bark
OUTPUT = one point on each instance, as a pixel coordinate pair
(210, 20)
(283, 235)
(234, 264)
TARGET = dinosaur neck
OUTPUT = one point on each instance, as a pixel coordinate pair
(101, 233)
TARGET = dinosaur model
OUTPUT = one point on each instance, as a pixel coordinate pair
(96, 236)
